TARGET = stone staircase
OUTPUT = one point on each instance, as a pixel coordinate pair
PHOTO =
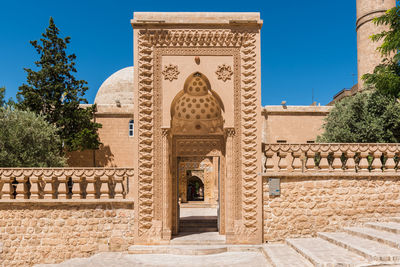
(198, 225)
(374, 244)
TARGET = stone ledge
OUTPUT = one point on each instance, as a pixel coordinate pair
(339, 174)
(52, 202)
(163, 18)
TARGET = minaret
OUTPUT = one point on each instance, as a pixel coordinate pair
(368, 56)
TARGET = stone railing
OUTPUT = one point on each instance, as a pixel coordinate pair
(64, 183)
(319, 158)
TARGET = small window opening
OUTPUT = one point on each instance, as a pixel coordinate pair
(281, 141)
(131, 128)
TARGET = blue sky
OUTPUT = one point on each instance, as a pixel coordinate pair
(306, 45)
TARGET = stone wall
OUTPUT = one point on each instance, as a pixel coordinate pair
(293, 124)
(117, 148)
(311, 204)
(52, 231)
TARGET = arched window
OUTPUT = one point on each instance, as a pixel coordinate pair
(131, 128)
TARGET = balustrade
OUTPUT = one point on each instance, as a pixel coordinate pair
(64, 183)
(322, 158)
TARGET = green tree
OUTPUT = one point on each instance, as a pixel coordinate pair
(2, 94)
(368, 117)
(386, 76)
(28, 140)
(53, 92)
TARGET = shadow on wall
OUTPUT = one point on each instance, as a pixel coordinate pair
(103, 157)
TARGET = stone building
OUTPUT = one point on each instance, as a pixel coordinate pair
(185, 127)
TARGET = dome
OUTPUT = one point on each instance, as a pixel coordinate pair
(118, 88)
(196, 109)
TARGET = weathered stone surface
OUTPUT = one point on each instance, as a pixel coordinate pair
(328, 205)
(51, 233)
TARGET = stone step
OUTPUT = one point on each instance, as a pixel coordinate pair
(206, 238)
(392, 227)
(372, 250)
(194, 223)
(281, 255)
(384, 237)
(197, 229)
(394, 219)
(323, 253)
(178, 249)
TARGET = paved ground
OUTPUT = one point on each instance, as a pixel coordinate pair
(235, 259)
(197, 212)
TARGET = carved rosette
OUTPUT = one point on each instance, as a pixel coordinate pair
(224, 72)
(170, 72)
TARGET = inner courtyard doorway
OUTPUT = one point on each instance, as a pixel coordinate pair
(195, 189)
(198, 189)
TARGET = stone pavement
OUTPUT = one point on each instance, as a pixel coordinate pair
(373, 244)
(235, 259)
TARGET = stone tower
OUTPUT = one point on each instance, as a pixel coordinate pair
(368, 57)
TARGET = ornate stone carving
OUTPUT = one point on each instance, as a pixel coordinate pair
(195, 147)
(154, 43)
(146, 136)
(249, 132)
(224, 72)
(170, 72)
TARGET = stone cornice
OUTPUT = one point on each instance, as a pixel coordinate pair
(163, 19)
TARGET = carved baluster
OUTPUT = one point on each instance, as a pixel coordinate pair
(22, 188)
(90, 188)
(76, 187)
(62, 187)
(8, 189)
(337, 162)
(376, 164)
(48, 189)
(324, 164)
(35, 187)
(297, 163)
(310, 163)
(119, 186)
(282, 161)
(390, 164)
(350, 163)
(269, 163)
(363, 164)
(104, 191)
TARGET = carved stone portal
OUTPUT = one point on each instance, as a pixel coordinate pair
(169, 129)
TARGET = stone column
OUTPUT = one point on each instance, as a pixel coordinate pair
(230, 183)
(167, 187)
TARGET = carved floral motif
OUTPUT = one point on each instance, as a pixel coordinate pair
(224, 72)
(170, 72)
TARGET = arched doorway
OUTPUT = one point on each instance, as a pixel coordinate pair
(195, 189)
(197, 145)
